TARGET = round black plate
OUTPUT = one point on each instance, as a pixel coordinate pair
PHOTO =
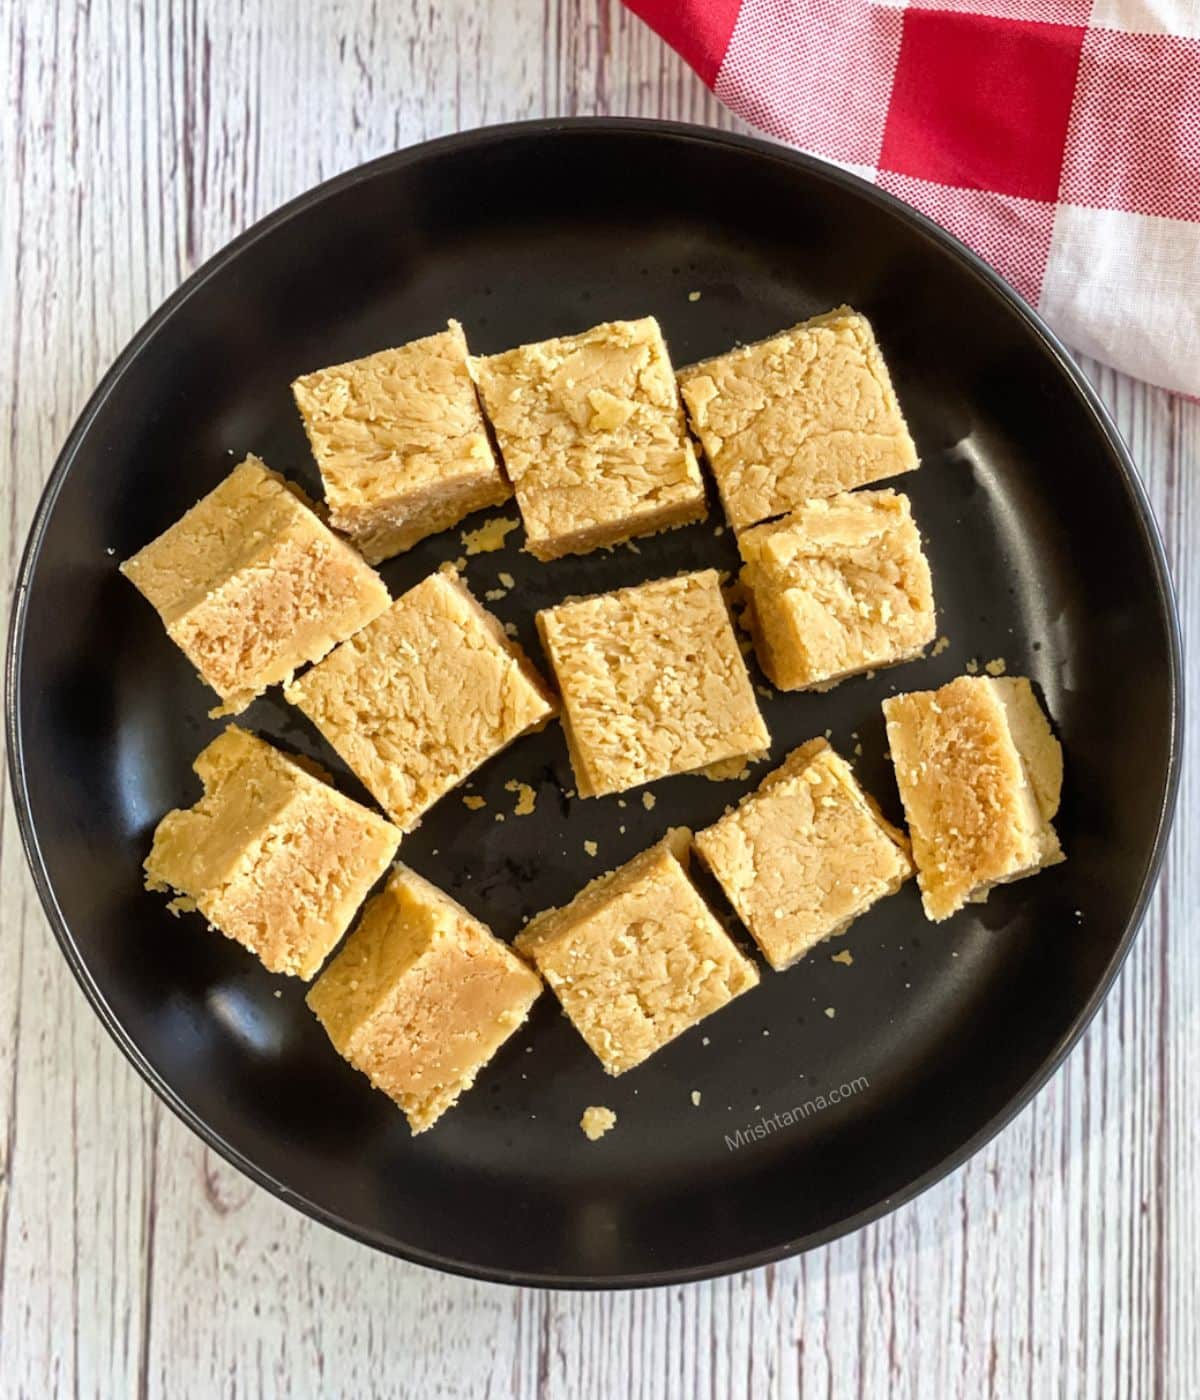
(1044, 554)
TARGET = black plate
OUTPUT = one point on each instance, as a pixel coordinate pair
(1044, 554)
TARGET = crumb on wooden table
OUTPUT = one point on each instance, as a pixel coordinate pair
(845, 957)
(474, 802)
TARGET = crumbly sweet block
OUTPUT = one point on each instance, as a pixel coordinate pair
(805, 854)
(808, 412)
(980, 775)
(652, 681)
(415, 702)
(250, 584)
(593, 438)
(272, 856)
(637, 957)
(421, 997)
(837, 587)
(401, 442)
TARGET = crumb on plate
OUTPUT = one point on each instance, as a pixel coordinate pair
(489, 536)
(526, 797)
(596, 1121)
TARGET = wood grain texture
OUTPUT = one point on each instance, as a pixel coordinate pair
(137, 137)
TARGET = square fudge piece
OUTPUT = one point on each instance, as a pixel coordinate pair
(809, 412)
(592, 434)
(980, 775)
(415, 702)
(637, 957)
(250, 585)
(272, 856)
(805, 854)
(421, 997)
(652, 682)
(401, 443)
(838, 587)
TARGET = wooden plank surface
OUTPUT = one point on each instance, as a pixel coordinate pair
(137, 136)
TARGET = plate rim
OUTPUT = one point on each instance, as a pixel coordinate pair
(543, 128)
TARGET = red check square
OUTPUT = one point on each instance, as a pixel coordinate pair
(981, 102)
(817, 74)
(1134, 138)
(1012, 234)
(1046, 11)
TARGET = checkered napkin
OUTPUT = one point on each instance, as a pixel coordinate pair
(1059, 138)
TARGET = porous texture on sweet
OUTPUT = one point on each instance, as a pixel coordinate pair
(805, 854)
(837, 587)
(401, 443)
(652, 681)
(250, 584)
(415, 702)
(637, 957)
(421, 997)
(808, 412)
(980, 775)
(593, 438)
(270, 855)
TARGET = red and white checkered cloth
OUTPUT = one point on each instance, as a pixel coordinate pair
(1059, 138)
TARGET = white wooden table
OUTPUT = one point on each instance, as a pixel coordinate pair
(136, 137)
